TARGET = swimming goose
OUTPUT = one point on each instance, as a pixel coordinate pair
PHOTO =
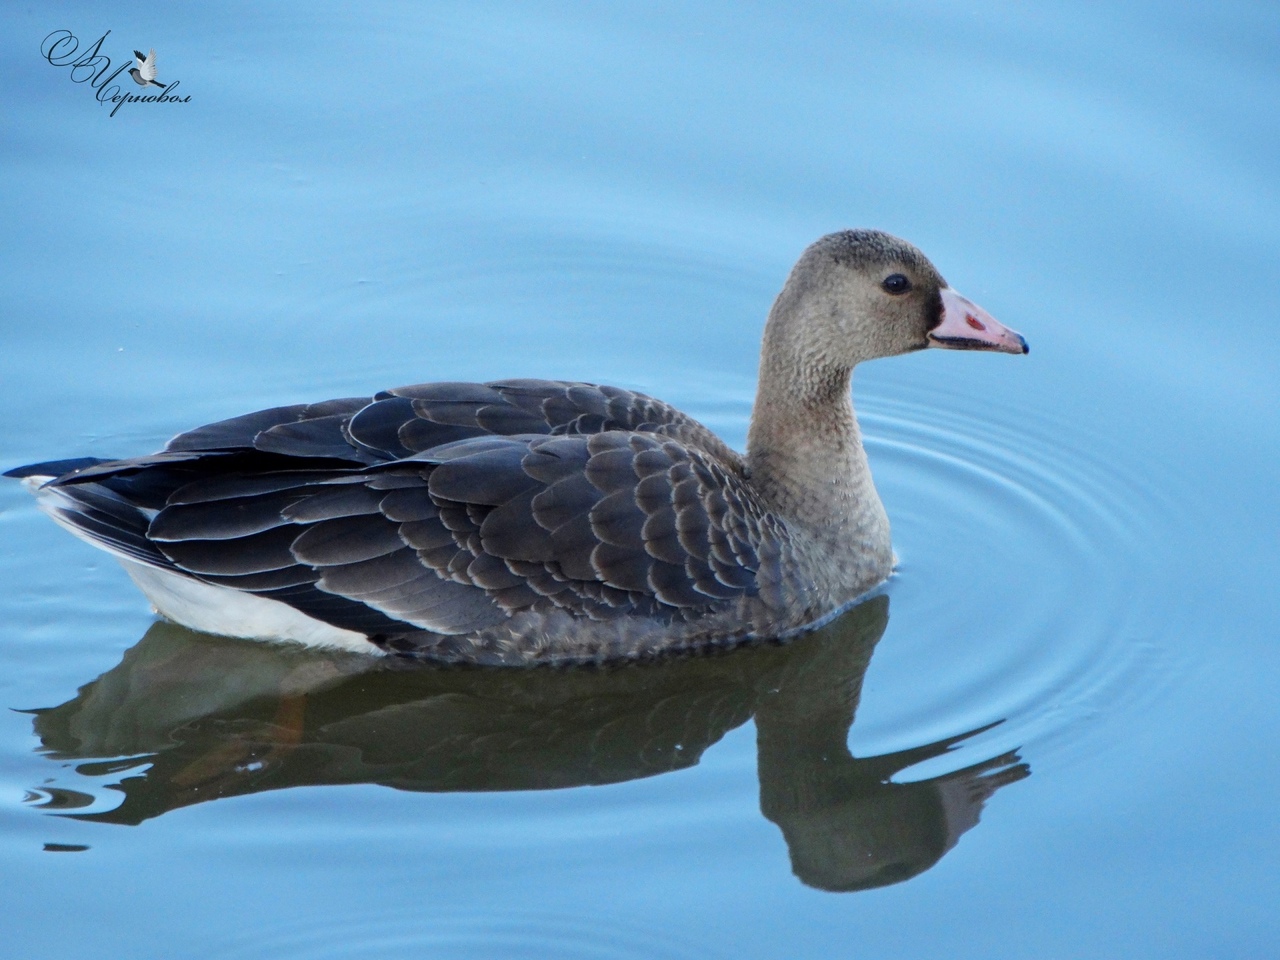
(536, 521)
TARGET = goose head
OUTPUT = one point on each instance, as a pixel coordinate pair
(861, 294)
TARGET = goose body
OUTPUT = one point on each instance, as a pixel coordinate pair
(527, 521)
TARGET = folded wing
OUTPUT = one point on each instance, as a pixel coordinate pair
(450, 507)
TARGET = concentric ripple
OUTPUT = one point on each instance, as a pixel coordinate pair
(411, 933)
(1031, 579)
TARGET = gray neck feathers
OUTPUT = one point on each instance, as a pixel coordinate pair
(804, 448)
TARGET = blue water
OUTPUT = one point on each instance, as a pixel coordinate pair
(360, 198)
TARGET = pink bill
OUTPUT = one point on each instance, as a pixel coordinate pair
(966, 326)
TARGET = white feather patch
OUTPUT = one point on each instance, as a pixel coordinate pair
(234, 613)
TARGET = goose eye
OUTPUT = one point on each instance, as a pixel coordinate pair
(896, 283)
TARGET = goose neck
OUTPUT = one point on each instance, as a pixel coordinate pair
(805, 450)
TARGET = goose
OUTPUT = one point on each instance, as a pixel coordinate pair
(521, 522)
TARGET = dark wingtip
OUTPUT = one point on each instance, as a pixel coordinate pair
(53, 468)
(139, 54)
(1026, 347)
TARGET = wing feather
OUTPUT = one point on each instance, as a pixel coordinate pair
(334, 543)
(449, 506)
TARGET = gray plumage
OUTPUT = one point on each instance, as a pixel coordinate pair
(524, 521)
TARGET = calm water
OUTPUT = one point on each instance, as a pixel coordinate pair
(1080, 645)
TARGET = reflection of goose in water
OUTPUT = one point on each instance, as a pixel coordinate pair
(193, 718)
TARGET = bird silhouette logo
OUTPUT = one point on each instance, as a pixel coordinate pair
(144, 69)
